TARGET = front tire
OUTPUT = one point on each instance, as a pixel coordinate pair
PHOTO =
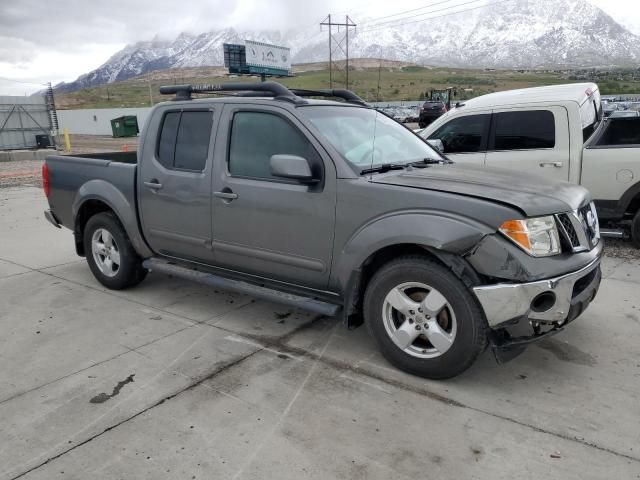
(110, 255)
(424, 319)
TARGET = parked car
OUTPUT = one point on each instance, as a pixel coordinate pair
(555, 132)
(333, 207)
(430, 111)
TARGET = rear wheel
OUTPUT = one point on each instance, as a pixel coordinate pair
(110, 255)
(424, 319)
(635, 230)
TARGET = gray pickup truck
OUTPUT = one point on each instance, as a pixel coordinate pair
(330, 206)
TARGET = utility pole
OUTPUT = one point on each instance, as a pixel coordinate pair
(330, 59)
(336, 43)
(150, 94)
(379, 71)
(346, 22)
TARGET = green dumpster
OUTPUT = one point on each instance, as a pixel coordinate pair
(126, 126)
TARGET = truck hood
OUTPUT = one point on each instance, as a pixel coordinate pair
(532, 195)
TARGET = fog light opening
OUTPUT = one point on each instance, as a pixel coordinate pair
(543, 302)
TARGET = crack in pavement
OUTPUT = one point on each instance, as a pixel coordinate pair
(191, 386)
(344, 366)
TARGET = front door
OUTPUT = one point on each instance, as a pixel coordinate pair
(174, 186)
(534, 141)
(263, 225)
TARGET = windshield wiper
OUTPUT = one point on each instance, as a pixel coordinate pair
(385, 167)
(429, 161)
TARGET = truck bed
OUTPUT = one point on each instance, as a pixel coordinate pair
(74, 178)
(119, 157)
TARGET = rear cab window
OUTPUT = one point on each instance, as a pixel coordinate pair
(523, 130)
(184, 140)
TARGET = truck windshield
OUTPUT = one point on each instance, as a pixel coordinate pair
(366, 138)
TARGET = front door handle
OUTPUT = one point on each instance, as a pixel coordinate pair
(153, 184)
(226, 195)
(553, 164)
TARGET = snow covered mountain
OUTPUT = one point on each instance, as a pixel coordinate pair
(511, 34)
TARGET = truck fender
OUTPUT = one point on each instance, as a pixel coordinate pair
(125, 211)
(433, 230)
(628, 197)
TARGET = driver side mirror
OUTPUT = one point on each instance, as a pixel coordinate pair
(292, 167)
(437, 144)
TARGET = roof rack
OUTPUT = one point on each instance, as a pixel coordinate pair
(277, 90)
(346, 95)
(280, 92)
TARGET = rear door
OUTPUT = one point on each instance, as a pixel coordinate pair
(464, 138)
(267, 226)
(533, 140)
(174, 188)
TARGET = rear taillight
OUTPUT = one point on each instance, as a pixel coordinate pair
(45, 179)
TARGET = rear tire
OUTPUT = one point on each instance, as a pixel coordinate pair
(635, 230)
(110, 255)
(452, 329)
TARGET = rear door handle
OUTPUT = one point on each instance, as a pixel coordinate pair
(226, 195)
(153, 184)
(554, 164)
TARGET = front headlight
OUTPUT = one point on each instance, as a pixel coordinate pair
(536, 236)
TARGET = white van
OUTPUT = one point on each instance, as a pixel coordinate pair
(557, 132)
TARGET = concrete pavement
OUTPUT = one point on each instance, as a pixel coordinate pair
(176, 380)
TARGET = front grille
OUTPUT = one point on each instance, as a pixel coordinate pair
(579, 229)
(570, 234)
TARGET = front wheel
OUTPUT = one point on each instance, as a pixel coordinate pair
(110, 255)
(424, 319)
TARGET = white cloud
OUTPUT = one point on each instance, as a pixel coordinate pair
(76, 36)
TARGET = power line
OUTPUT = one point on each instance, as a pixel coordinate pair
(402, 23)
(375, 20)
(444, 9)
(21, 81)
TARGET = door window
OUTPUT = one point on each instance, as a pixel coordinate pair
(184, 140)
(464, 134)
(621, 132)
(524, 130)
(256, 136)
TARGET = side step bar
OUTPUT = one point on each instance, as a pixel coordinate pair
(304, 303)
(612, 233)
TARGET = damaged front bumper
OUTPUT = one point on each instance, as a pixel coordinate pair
(522, 313)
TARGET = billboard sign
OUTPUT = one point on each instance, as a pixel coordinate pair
(265, 56)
